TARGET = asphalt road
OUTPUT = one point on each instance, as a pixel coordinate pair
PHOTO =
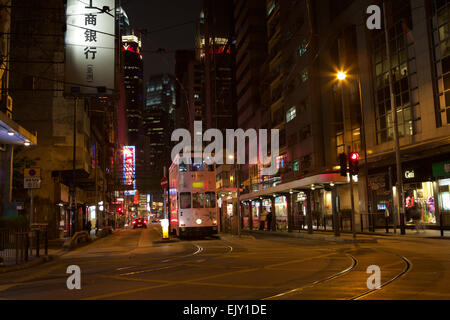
(129, 265)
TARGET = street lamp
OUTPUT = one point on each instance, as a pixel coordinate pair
(341, 76)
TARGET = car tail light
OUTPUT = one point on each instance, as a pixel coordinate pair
(134, 222)
(145, 221)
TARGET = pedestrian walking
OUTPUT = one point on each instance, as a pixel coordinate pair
(269, 221)
(89, 227)
(417, 218)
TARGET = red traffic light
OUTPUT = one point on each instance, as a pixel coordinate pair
(354, 156)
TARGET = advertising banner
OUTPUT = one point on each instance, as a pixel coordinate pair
(90, 48)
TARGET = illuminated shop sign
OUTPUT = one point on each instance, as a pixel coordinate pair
(129, 167)
(90, 47)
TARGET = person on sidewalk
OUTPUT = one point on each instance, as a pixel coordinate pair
(417, 218)
(269, 221)
(262, 219)
(89, 227)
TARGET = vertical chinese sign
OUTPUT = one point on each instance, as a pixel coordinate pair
(90, 47)
(129, 166)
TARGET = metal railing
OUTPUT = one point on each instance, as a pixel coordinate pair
(19, 245)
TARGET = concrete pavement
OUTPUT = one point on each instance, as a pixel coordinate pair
(131, 265)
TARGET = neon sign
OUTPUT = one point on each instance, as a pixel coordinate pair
(129, 166)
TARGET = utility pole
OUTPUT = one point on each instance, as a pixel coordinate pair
(352, 199)
(364, 145)
(401, 207)
(74, 219)
(237, 171)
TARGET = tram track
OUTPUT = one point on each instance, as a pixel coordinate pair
(346, 272)
(317, 282)
(408, 267)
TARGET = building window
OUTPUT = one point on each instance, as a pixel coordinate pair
(340, 146)
(303, 48)
(291, 114)
(305, 133)
(441, 32)
(305, 75)
(281, 161)
(271, 6)
(296, 166)
(405, 81)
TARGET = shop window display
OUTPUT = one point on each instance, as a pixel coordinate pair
(421, 195)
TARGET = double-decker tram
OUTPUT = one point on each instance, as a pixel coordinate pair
(192, 199)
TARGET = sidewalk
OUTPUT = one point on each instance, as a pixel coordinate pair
(54, 251)
(361, 237)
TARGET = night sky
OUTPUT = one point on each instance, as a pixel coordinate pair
(159, 14)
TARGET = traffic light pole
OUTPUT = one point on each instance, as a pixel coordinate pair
(351, 194)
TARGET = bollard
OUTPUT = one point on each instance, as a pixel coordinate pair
(17, 248)
(441, 223)
(387, 224)
(46, 242)
(37, 243)
(27, 245)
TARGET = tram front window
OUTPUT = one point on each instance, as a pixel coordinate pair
(185, 200)
(210, 200)
(198, 200)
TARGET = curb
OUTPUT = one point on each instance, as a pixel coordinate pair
(27, 265)
(313, 237)
(165, 241)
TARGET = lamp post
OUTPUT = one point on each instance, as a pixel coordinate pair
(341, 76)
(238, 193)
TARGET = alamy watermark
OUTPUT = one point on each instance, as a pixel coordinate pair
(216, 151)
(74, 280)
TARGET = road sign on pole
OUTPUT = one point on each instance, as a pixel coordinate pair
(164, 183)
(32, 178)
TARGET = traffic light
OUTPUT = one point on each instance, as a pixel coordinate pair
(353, 163)
(343, 164)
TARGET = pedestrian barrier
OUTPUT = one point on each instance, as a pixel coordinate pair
(19, 245)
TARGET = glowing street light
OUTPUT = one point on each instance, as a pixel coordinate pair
(341, 76)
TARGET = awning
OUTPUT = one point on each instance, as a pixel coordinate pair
(305, 183)
(12, 133)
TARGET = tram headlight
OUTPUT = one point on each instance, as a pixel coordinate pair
(215, 222)
(199, 221)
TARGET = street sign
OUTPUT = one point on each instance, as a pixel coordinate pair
(32, 172)
(164, 182)
(32, 178)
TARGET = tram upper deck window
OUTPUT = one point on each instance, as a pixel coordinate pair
(183, 167)
(198, 200)
(185, 200)
(210, 200)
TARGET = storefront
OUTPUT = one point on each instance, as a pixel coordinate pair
(299, 213)
(281, 213)
(256, 213)
(441, 171)
(418, 190)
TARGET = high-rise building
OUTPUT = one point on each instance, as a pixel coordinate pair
(189, 75)
(320, 117)
(133, 75)
(160, 106)
(216, 49)
(251, 52)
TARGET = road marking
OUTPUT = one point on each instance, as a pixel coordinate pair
(273, 266)
(114, 294)
(164, 283)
